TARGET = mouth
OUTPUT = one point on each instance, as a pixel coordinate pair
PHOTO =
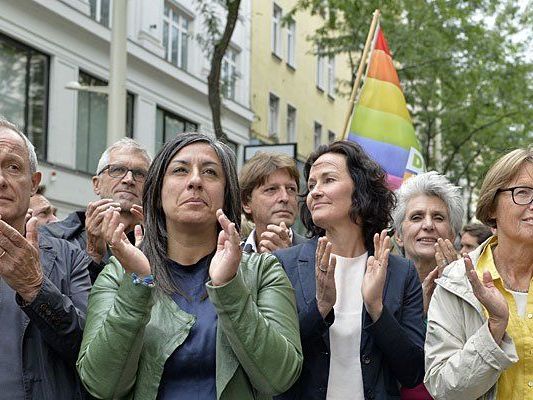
(285, 212)
(528, 220)
(317, 205)
(195, 201)
(427, 240)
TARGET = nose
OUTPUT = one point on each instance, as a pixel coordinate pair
(3, 182)
(195, 180)
(428, 224)
(128, 178)
(315, 192)
(283, 195)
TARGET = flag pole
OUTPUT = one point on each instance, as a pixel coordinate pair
(359, 74)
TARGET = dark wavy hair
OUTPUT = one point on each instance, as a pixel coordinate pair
(155, 243)
(372, 200)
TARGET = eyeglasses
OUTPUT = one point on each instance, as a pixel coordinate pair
(522, 195)
(120, 171)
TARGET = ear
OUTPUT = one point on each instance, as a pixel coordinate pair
(35, 180)
(247, 209)
(398, 239)
(96, 185)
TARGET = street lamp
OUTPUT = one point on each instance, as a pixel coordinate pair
(116, 89)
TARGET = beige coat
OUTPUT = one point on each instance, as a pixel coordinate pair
(462, 359)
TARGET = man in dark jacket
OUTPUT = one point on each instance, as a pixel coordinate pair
(44, 286)
(269, 189)
(119, 182)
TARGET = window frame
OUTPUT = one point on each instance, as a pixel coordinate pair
(46, 92)
(317, 140)
(273, 123)
(291, 133)
(181, 58)
(174, 116)
(98, 13)
(331, 76)
(230, 91)
(276, 37)
(291, 44)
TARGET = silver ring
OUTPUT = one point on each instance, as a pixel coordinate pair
(321, 269)
(3, 254)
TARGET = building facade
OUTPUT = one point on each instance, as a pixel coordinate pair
(45, 45)
(296, 96)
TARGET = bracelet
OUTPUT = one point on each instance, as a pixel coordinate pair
(148, 280)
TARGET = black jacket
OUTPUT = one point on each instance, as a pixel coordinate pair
(391, 348)
(53, 323)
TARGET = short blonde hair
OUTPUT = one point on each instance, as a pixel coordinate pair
(499, 176)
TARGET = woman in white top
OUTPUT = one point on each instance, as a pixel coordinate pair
(360, 309)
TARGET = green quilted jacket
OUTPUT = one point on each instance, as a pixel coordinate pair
(131, 331)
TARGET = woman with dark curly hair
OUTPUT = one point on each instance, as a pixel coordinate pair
(360, 308)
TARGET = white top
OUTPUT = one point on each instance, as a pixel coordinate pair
(520, 299)
(345, 376)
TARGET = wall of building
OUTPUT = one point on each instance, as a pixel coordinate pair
(295, 86)
(65, 32)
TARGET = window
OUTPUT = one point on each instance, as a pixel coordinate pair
(291, 123)
(175, 36)
(291, 43)
(168, 125)
(276, 30)
(101, 11)
(229, 73)
(24, 90)
(320, 72)
(331, 76)
(91, 137)
(273, 115)
(317, 137)
(331, 136)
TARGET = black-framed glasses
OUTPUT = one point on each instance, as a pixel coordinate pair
(522, 195)
(120, 171)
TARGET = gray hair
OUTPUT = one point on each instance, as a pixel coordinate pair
(430, 184)
(4, 123)
(121, 144)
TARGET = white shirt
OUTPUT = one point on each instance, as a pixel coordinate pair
(345, 375)
(520, 299)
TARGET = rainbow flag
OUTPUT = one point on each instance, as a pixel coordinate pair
(381, 123)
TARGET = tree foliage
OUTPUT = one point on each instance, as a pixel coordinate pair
(464, 69)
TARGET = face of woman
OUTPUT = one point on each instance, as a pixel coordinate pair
(193, 187)
(515, 222)
(330, 191)
(426, 220)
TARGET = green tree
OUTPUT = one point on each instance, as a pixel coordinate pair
(463, 67)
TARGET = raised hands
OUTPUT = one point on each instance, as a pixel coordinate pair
(19, 259)
(94, 215)
(491, 298)
(375, 274)
(274, 238)
(326, 291)
(131, 257)
(445, 254)
(225, 262)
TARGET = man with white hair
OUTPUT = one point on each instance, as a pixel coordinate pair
(119, 183)
(44, 287)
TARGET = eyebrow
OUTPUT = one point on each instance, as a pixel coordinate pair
(187, 162)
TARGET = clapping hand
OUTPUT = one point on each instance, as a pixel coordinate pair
(131, 257)
(20, 266)
(94, 215)
(445, 254)
(491, 298)
(375, 274)
(326, 291)
(225, 262)
(274, 238)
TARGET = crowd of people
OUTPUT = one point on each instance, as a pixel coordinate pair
(154, 292)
